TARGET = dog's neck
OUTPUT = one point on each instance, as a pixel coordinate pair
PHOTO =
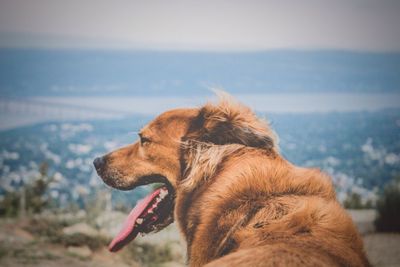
(205, 162)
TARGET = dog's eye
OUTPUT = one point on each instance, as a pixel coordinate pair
(143, 140)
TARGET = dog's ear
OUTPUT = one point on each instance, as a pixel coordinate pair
(229, 122)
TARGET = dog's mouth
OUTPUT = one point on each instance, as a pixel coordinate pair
(151, 214)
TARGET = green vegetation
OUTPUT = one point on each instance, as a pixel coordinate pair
(26, 254)
(3, 251)
(46, 228)
(354, 201)
(77, 240)
(51, 230)
(389, 208)
(30, 198)
(9, 205)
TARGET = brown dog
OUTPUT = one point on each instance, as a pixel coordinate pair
(236, 200)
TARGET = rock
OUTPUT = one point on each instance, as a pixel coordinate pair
(81, 228)
(171, 264)
(83, 251)
(72, 216)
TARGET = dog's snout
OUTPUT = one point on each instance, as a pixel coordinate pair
(99, 163)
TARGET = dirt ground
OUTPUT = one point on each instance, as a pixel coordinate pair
(20, 248)
(383, 249)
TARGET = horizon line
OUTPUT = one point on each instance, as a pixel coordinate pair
(195, 50)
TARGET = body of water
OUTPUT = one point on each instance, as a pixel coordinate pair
(25, 111)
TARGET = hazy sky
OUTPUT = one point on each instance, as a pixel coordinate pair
(372, 25)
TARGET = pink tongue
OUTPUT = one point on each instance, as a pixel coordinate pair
(126, 234)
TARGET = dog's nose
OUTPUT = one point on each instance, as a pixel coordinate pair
(98, 163)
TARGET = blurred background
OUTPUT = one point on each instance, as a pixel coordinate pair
(80, 78)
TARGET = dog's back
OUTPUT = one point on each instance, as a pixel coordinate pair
(259, 210)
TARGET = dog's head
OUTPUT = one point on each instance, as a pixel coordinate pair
(167, 152)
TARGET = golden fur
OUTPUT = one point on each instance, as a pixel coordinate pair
(238, 202)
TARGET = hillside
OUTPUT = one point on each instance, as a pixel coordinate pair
(360, 150)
